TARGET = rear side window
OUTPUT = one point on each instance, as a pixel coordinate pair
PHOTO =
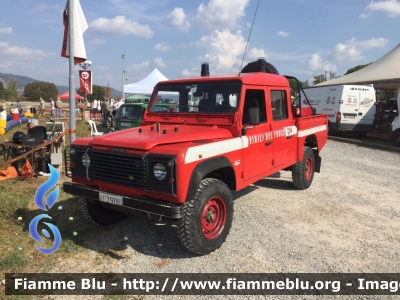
(279, 105)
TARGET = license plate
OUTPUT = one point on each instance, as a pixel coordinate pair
(109, 198)
(126, 124)
(349, 117)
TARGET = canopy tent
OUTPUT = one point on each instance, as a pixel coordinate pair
(384, 74)
(146, 85)
(65, 96)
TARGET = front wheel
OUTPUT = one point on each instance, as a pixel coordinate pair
(207, 218)
(303, 171)
(99, 215)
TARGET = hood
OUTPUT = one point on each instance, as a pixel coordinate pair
(146, 137)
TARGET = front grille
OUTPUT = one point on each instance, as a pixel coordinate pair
(123, 169)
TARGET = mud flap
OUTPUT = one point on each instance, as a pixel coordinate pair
(318, 160)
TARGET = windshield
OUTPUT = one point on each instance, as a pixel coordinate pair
(131, 112)
(210, 97)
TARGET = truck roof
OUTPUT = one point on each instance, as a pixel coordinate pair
(258, 78)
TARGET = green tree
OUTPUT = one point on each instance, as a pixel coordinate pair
(2, 92)
(98, 92)
(46, 90)
(319, 78)
(306, 84)
(10, 92)
(332, 75)
(356, 68)
(294, 86)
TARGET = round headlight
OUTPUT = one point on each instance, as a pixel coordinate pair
(85, 160)
(160, 172)
(72, 151)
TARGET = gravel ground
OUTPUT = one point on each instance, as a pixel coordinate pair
(347, 221)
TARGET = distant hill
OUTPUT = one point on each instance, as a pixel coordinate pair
(23, 80)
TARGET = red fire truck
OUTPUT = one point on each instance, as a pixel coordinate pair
(225, 133)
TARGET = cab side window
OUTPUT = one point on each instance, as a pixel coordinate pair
(254, 98)
(279, 105)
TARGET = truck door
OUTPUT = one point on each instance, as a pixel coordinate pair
(283, 130)
(258, 155)
(349, 109)
(366, 109)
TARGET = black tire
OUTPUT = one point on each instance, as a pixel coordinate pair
(99, 215)
(207, 218)
(303, 171)
(252, 67)
(330, 130)
(396, 138)
(361, 134)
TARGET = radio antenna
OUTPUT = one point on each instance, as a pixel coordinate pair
(248, 39)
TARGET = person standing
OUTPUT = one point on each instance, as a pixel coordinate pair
(53, 108)
(19, 106)
(3, 106)
(41, 107)
(116, 105)
(59, 108)
(94, 110)
(104, 108)
(99, 110)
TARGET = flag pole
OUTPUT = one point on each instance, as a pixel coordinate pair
(72, 110)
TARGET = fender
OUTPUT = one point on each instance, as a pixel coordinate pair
(204, 168)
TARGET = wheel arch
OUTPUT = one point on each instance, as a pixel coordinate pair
(217, 167)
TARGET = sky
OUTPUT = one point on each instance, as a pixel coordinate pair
(301, 38)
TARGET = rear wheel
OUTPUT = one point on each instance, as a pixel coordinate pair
(396, 138)
(99, 215)
(303, 171)
(207, 218)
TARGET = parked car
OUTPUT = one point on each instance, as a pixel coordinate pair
(129, 115)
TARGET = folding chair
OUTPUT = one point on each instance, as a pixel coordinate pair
(93, 129)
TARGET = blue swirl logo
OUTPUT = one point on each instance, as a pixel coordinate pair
(50, 201)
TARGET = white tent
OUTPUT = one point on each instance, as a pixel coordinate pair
(146, 85)
(383, 74)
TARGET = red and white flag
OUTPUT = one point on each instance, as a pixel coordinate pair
(80, 26)
(85, 81)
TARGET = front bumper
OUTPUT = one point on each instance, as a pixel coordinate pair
(153, 206)
(352, 127)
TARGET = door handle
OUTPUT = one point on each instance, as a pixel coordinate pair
(360, 114)
(268, 144)
(289, 137)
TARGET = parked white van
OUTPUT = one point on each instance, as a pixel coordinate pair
(349, 107)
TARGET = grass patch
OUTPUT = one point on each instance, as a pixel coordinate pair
(18, 251)
(17, 248)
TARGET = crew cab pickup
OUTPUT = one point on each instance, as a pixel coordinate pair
(225, 133)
